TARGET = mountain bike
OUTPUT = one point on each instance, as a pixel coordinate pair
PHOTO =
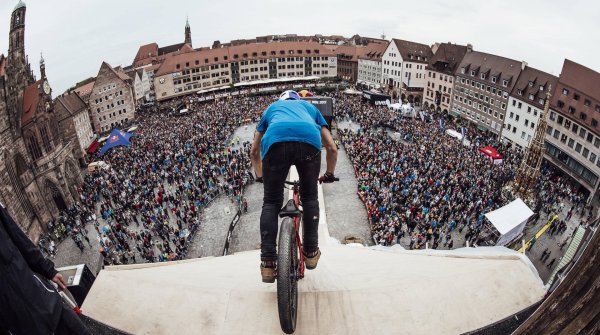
(290, 260)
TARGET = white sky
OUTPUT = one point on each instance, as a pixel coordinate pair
(76, 35)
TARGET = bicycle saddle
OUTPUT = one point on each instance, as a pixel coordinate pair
(289, 210)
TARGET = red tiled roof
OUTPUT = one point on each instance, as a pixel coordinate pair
(85, 89)
(31, 98)
(373, 51)
(537, 78)
(207, 56)
(414, 49)
(72, 102)
(581, 78)
(146, 51)
(447, 57)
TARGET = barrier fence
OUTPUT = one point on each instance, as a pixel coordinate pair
(232, 225)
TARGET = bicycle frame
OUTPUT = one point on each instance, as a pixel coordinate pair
(296, 197)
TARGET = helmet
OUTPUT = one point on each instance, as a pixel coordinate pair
(289, 95)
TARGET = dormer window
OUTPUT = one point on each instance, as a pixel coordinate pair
(530, 83)
(472, 72)
(530, 96)
(541, 101)
(505, 83)
(493, 79)
(462, 70)
(483, 76)
(541, 87)
(519, 92)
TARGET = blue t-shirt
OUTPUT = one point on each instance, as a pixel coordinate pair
(290, 121)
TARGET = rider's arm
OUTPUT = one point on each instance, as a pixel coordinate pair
(330, 148)
(255, 154)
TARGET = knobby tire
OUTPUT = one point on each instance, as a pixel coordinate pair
(287, 279)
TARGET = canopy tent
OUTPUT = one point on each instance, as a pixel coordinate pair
(404, 109)
(352, 91)
(116, 138)
(492, 153)
(510, 220)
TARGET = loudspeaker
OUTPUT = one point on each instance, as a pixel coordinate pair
(324, 105)
(79, 280)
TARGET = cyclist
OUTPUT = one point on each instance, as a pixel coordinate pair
(290, 132)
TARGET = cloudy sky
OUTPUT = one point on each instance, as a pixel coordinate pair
(75, 36)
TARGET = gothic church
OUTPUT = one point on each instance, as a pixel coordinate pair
(39, 175)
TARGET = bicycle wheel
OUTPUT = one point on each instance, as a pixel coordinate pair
(287, 276)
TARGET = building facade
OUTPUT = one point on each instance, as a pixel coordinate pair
(526, 106)
(38, 173)
(142, 86)
(403, 70)
(369, 65)
(112, 101)
(183, 73)
(74, 123)
(482, 87)
(573, 137)
(440, 76)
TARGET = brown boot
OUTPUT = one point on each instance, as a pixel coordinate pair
(268, 271)
(312, 260)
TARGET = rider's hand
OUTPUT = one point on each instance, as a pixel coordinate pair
(259, 180)
(60, 281)
(328, 177)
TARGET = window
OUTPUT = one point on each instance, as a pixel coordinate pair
(576, 96)
(572, 110)
(571, 143)
(594, 123)
(519, 92)
(575, 128)
(578, 147)
(597, 142)
(583, 116)
(593, 158)
(522, 134)
(561, 104)
(505, 83)
(585, 152)
(587, 103)
(556, 134)
(582, 132)
(483, 76)
(565, 92)
(493, 79)
(526, 122)
(589, 137)
(531, 96)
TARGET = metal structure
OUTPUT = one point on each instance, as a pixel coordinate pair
(529, 170)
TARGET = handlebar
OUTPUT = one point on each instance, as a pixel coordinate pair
(292, 183)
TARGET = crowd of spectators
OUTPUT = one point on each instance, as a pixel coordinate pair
(418, 182)
(146, 206)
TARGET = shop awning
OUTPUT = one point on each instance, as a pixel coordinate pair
(93, 147)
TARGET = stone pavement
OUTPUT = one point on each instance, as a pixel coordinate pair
(346, 214)
(67, 252)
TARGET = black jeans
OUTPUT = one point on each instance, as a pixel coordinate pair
(276, 165)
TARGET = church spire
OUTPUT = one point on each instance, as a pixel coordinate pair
(42, 66)
(188, 32)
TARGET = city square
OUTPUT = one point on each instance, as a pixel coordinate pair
(143, 175)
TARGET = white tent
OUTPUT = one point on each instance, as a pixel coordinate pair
(510, 220)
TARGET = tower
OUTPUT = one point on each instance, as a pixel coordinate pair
(529, 170)
(18, 71)
(188, 32)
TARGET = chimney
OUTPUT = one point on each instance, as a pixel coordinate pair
(469, 47)
(523, 65)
